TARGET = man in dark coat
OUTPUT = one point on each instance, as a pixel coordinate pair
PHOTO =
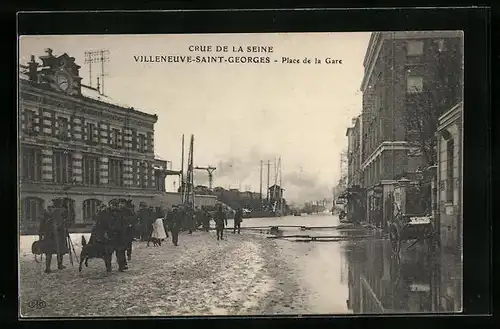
(174, 222)
(129, 218)
(143, 219)
(238, 218)
(53, 233)
(118, 233)
(220, 222)
(205, 219)
(102, 233)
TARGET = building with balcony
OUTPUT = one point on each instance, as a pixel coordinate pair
(410, 79)
(78, 145)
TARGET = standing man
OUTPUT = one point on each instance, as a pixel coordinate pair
(119, 236)
(128, 217)
(205, 219)
(174, 222)
(238, 218)
(220, 222)
(143, 219)
(53, 233)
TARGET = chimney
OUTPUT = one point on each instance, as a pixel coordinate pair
(33, 69)
(353, 121)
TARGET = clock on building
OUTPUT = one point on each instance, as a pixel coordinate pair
(63, 81)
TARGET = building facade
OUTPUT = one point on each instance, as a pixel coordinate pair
(449, 198)
(410, 79)
(354, 136)
(78, 145)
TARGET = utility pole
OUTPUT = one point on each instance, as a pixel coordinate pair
(261, 181)
(210, 171)
(97, 56)
(268, 176)
(182, 171)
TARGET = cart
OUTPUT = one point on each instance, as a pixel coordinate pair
(412, 220)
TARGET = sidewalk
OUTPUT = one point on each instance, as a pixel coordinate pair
(202, 276)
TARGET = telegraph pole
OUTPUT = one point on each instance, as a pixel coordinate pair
(182, 171)
(210, 171)
(261, 181)
(97, 56)
(268, 176)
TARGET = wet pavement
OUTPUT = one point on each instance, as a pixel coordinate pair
(275, 276)
(363, 276)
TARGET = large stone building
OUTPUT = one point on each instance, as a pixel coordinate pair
(354, 151)
(410, 78)
(449, 197)
(449, 200)
(78, 145)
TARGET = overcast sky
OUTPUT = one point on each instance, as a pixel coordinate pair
(239, 113)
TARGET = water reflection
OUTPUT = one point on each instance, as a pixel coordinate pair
(361, 276)
(380, 283)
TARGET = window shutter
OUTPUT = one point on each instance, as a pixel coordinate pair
(119, 133)
(69, 130)
(86, 132)
(95, 135)
(56, 127)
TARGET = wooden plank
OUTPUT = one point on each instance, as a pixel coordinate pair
(365, 283)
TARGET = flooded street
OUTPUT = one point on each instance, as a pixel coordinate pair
(355, 274)
(362, 276)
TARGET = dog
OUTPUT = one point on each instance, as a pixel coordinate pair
(156, 241)
(36, 249)
(95, 250)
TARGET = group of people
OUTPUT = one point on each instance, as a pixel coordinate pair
(117, 226)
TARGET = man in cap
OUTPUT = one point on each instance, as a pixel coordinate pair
(174, 222)
(143, 216)
(220, 222)
(53, 233)
(118, 234)
(238, 218)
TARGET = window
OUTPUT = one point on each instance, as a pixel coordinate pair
(91, 133)
(134, 140)
(116, 138)
(90, 170)
(31, 164)
(414, 84)
(90, 209)
(142, 174)
(115, 172)
(29, 122)
(142, 143)
(414, 48)
(61, 167)
(450, 150)
(31, 209)
(63, 128)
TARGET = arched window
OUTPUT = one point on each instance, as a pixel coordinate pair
(31, 209)
(90, 209)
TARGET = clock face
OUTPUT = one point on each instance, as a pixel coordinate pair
(63, 82)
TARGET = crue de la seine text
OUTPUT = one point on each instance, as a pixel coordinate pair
(201, 54)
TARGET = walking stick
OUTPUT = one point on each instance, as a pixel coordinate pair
(69, 248)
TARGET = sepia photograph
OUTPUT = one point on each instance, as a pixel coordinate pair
(240, 174)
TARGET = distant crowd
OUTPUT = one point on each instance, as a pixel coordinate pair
(118, 225)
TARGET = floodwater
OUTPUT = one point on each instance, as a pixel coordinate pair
(362, 275)
(358, 275)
